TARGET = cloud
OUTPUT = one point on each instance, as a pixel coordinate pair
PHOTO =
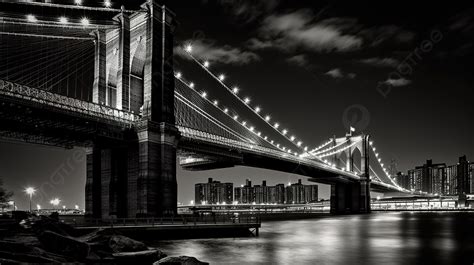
(351, 75)
(247, 11)
(377, 36)
(297, 30)
(256, 44)
(337, 73)
(397, 82)
(222, 54)
(299, 60)
(381, 62)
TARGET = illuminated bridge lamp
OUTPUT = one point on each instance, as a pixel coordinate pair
(31, 18)
(85, 21)
(107, 4)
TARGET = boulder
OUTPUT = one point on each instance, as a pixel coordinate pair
(181, 260)
(139, 257)
(108, 240)
(64, 245)
(24, 252)
(119, 243)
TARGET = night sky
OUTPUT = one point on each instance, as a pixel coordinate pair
(401, 72)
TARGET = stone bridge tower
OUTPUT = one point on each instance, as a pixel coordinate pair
(135, 176)
(352, 197)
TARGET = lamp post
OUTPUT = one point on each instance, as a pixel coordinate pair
(12, 203)
(30, 191)
(55, 202)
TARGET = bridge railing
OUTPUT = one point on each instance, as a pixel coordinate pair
(249, 147)
(66, 103)
(186, 220)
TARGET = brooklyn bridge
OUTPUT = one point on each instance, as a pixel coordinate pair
(104, 79)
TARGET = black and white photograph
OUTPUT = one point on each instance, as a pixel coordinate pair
(188, 132)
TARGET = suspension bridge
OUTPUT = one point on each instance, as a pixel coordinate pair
(103, 78)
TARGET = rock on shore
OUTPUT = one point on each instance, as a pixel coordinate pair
(181, 260)
(46, 240)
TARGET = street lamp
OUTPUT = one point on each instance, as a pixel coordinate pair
(12, 203)
(55, 202)
(30, 191)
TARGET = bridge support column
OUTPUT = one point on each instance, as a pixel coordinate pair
(93, 183)
(365, 177)
(346, 199)
(100, 62)
(106, 184)
(156, 185)
(123, 75)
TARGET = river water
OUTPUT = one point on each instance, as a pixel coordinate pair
(379, 238)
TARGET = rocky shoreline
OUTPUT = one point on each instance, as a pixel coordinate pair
(42, 239)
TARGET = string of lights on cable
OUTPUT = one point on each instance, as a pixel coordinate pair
(381, 164)
(234, 116)
(246, 100)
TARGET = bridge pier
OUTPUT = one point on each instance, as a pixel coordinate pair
(349, 198)
(106, 184)
(157, 186)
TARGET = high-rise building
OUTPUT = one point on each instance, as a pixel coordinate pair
(299, 193)
(429, 177)
(244, 194)
(403, 181)
(213, 192)
(464, 176)
(471, 174)
(259, 194)
(451, 183)
(441, 179)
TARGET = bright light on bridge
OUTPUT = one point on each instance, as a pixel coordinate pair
(188, 48)
(221, 77)
(31, 18)
(235, 90)
(78, 2)
(257, 109)
(107, 4)
(206, 64)
(267, 118)
(63, 20)
(247, 100)
(204, 94)
(276, 125)
(178, 75)
(85, 21)
(191, 85)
